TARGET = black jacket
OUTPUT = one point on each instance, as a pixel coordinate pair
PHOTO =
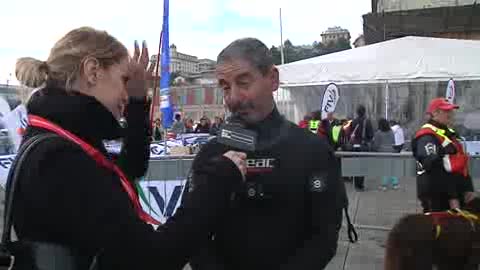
(292, 220)
(358, 126)
(433, 180)
(64, 197)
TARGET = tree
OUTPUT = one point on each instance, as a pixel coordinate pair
(343, 44)
(276, 55)
(294, 53)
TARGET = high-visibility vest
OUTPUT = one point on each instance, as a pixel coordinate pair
(455, 163)
(336, 133)
(314, 125)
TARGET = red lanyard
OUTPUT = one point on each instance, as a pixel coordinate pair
(101, 160)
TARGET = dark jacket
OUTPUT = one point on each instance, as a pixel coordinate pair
(215, 129)
(383, 141)
(293, 218)
(202, 128)
(433, 181)
(358, 126)
(64, 197)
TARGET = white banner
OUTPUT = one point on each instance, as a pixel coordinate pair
(330, 99)
(162, 197)
(5, 164)
(114, 147)
(15, 121)
(450, 94)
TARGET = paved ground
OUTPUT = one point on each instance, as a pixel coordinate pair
(373, 212)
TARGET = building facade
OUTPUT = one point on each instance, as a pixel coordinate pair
(399, 5)
(197, 101)
(459, 19)
(206, 65)
(333, 34)
(185, 64)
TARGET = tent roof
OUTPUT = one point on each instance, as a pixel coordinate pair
(399, 60)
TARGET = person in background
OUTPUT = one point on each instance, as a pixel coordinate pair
(314, 123)
(399, 136)
(360, 138)
(216, 126)
(384, 141)
(443, 179)
(203, 127)
(306, 120)
(157, 130)
(189, 126)
(178, 126)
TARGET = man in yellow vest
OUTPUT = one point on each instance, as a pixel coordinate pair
(314, 124)
(443, 181)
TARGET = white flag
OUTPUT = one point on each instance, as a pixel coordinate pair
(450, 95)
(330, 99)
(15, 121)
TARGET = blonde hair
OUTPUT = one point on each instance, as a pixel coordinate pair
(64, 64)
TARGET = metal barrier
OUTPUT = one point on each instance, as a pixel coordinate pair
(369, 164)
(375, 164)
(169, 168)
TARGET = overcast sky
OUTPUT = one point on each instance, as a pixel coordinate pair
(197, 27)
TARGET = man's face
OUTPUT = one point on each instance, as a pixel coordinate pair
(444, 117)
(247, 92)
(330, 117)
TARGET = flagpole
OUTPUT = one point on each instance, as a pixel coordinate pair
(281, 39)
(165, 100)
(155, 80)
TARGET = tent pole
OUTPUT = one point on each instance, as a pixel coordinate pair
(386, 99)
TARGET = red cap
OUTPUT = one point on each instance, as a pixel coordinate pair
(441, 104)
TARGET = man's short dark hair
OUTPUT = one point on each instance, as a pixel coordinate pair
(251, 50)
(178, 117)
(361, 111)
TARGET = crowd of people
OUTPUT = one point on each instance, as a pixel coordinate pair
(186, 126)
(358, 135)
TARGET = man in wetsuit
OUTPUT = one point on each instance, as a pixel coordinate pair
(288, 213)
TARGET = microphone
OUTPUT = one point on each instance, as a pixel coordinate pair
(234, 134)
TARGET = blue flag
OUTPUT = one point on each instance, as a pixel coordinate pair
(165, 101)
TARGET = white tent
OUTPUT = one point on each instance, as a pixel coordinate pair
(407, 59)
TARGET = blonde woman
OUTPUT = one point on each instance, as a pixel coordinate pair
(70, 196)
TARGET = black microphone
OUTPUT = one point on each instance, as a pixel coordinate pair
(234, 134)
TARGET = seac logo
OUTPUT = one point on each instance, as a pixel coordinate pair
(260, 165)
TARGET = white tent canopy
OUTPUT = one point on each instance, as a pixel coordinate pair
(405, 59)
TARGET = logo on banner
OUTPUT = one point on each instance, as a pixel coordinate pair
(162, 198)
(330, 99)
(157, 150)
(450, 95)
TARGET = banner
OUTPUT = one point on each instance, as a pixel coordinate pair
(16, 121)
(5, 164)
(165, 100)
(450, 94)
(330, 99)
(160, 199)
(157, 149)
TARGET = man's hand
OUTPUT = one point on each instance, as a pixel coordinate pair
(239, 159)
(454, 203)
(139, 75)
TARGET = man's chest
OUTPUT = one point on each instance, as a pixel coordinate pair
(275, 176)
